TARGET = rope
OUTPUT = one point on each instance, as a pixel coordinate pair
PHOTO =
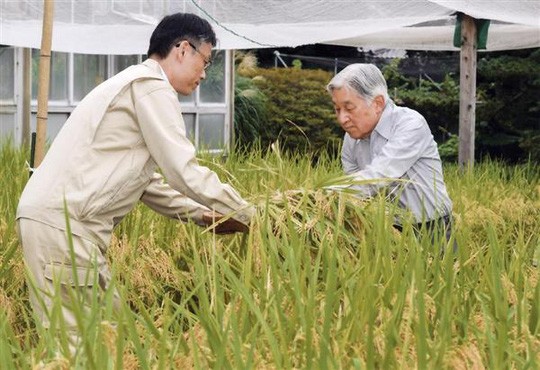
(29, 168)
(228, 29)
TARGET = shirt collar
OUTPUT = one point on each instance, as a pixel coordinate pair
(384, 127)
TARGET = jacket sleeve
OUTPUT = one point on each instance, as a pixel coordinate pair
(163, 199)
(162, 127)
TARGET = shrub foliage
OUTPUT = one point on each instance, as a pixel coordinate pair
(299, 110)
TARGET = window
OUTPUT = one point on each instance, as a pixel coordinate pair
(205, 111)
(7, 124)
(121, 62)
(212, 88)
(7, 81)
(212, 131)
(8, 107)
(189, 122)
(91, 70)
(58, 83)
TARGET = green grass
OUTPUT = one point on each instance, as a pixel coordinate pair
(322, 281)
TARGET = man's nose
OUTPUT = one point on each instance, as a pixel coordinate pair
(342, 117)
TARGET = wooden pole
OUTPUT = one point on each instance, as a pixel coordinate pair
(27, 95)
(467, 96)
(232, 73)
(43, 83)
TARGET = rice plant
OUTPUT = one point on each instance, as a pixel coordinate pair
(322, 281)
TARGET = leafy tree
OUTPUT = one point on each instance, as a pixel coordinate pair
(508, 118)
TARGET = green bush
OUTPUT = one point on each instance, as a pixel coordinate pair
(299, 110)
(250, 114)
(449, 149)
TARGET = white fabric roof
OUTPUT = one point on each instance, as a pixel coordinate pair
(125, 26)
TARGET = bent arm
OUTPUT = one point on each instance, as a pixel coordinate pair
(163, 129)
(348, 158)
(163, 199)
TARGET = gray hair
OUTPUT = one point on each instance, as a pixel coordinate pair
(365, 79)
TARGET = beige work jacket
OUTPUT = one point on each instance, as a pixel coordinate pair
(105, 156)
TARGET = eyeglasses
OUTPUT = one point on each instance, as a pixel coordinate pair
(207, 62)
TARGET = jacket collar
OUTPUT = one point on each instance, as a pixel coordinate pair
(154, 66)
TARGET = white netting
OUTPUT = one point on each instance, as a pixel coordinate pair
(523, 12)
(124, 26)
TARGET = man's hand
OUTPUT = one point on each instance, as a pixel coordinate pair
(228, 226)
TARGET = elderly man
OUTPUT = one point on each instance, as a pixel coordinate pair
(384, 141)
(104, 160)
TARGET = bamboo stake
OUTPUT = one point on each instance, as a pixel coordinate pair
(43, 83)
(232, 73)
(467, 86)
(27, 95)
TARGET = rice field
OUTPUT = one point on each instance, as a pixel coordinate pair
(322, 281)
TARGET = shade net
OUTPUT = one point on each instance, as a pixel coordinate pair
(125, 26)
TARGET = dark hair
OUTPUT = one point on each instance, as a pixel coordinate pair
(177, 27)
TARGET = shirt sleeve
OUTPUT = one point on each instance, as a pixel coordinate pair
(350, 165)
(166, 201)
(163, 130)
(405, 146)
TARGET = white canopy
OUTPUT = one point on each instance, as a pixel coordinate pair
(125, 26)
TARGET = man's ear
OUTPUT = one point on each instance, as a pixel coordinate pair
(379, 103)
(182, 48)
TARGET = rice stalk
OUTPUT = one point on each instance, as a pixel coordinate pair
(321, 281)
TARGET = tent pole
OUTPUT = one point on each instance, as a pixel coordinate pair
(467, 96)
(43, 83)
(27, 95)
(232, 74)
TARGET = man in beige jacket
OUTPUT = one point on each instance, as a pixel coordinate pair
(104, 160)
